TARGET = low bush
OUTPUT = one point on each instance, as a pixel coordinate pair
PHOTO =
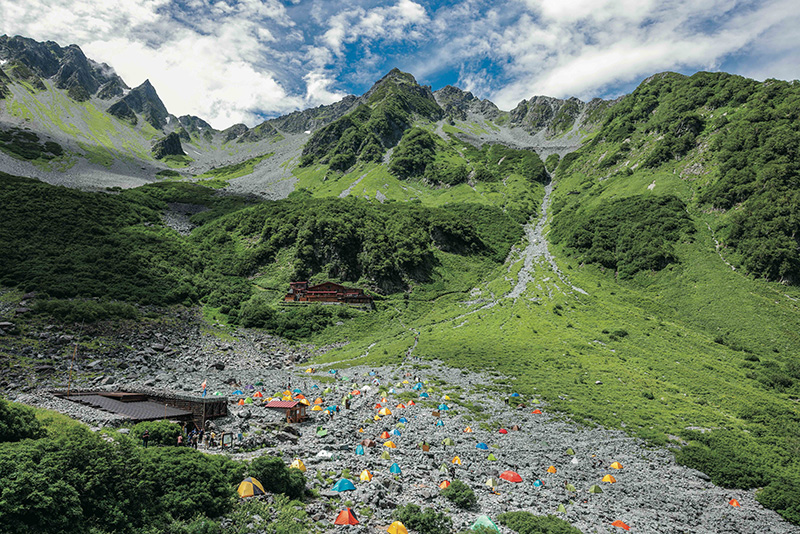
(460, 494)
(424, 522)
(527, 523)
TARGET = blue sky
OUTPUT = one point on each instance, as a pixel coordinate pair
(234, 61)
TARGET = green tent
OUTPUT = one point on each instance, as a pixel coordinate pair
(561, 509)
(570, 487)
(492, 482)
(400, 425)
(322, 432)
(248, 400)
(595, 489)
(492, 457)
(444, 468)
(570, 452)
(385, 454)
(485, 522)
(448, 441)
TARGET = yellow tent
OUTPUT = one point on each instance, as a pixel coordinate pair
(385, 411)
(361, 430)
(468, 429)
(551, 469)
(397, 528)
(309, 370)
(405, 382)
(446, 397)
(609, 478)
(298, 464)
(286, 397)
(390, 444)
(457, 460)
(287, 392)
(366, 476)
(376, 417)
(616, 465)
(316, 408)
(249, 487)
(305, 401)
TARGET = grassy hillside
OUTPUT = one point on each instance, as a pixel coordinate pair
(662, 311)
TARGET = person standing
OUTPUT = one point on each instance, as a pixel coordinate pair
(145, 438)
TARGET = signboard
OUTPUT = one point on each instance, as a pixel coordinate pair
(227, 440)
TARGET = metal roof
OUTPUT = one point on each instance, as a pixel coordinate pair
(282, 404)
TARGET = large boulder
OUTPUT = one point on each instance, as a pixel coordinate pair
(168, 146)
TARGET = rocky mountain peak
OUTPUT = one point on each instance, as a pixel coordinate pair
(143, 100)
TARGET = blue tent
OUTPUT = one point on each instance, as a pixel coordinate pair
(418, 386)
(439, 423)
(372, 373)
(423, 394)
(238, 392)
(315, 386)
(396, 432)
(537, 483)
(332, 371)
(395, 469)
(402, 420)
(297, 390)
(343, 485)
(515, 394)
(392, 391)
(482, 446)
(331, 408)
(360, 450)
(443, 406)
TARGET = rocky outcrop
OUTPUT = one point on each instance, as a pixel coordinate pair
(314, 118)
(69, 68)
(262, 131)
(229, 134)
(456, 103)
(168, 146)
(145, 101)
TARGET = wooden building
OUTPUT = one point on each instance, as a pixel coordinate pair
(330, 292)
(295, 410)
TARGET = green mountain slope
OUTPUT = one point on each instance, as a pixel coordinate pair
(647, 286)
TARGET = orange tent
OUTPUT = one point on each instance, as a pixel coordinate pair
(616, 465)
(620, 524)
(299, 396)
(378, 406)
(411, 403)
(318, 400)
(385, 435)
(346, 517)
(537, 410)
(241, 402)
(355, 392)
(468, 429)
(384, 399)
(401, 406)
(551, 469)
(609, 478)
(457, 460)
(258, 395)
(734, 503)
(445, 484)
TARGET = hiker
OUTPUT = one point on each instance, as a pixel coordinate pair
(145, 438)
(347, 404)
(180, 440)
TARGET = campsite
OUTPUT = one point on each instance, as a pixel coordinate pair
(411, 431)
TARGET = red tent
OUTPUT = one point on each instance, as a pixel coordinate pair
(620, 524)
(385, 435)
(511, 476)
(346, 517)
(537, 410)
(735, 503)
(503, 431)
